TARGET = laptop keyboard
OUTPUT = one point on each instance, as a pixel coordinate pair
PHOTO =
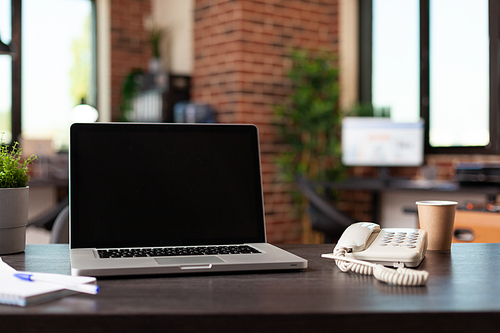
(176, 251)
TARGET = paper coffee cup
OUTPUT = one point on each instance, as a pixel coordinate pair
(437, 218)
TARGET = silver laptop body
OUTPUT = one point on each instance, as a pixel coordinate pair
(168, 198)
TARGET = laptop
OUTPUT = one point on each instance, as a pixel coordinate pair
(167, 199)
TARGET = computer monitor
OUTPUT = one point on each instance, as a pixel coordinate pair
(372, 141)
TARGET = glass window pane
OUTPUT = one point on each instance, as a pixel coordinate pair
(5, 72)
(459, 73)
(395, 62)
(57, 66)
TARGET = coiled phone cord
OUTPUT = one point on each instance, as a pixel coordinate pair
(400, 276)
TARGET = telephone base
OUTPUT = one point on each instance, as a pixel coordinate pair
(393, 247)
(413, 264)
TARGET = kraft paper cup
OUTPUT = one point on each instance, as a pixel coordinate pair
(437, 218)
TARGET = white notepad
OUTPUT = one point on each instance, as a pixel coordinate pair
(14, 291)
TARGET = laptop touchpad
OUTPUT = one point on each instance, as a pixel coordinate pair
(189, 260)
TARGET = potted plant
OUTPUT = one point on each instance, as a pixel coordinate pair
(310, 122)
(155, 37)
(14, 198)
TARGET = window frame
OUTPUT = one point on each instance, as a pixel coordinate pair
(16, 8)
(365, 74)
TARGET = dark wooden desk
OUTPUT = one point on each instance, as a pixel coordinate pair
(462, 295)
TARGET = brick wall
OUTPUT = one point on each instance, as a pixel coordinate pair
(130, 46)
(241, 50)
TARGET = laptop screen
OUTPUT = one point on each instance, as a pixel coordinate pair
(141, 185)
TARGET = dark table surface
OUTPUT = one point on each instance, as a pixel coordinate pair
(462, 295)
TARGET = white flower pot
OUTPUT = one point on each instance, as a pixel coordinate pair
(13, 219)
(154, 65)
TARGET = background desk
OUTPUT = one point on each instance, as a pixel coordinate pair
(393, 198)
(462, 295)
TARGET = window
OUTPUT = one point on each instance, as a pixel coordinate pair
(434, 59)
(58, 68)
(458, 73)
(395, 64)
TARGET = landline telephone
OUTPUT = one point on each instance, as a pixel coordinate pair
(364, 248)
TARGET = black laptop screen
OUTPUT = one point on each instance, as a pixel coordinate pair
(135, 185)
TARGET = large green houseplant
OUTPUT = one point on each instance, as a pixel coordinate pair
(310, 121)
(14, 198)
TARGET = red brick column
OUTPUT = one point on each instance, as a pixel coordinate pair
(130, 46)
(242, 52)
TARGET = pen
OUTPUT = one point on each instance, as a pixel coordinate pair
(60, 281)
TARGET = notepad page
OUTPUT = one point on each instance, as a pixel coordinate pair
(18, 292)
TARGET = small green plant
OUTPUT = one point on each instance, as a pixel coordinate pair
(13, 171)
(155, 34)
(130, 88)
(368, 110)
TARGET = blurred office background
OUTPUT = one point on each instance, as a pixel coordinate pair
(227, 61)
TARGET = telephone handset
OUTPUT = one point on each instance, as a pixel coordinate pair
(357, 236)
(365, 248)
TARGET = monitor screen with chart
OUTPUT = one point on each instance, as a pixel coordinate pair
(372, 141)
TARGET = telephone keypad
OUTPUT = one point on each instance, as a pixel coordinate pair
(400, 239)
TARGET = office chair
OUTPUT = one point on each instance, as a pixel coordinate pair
(60, 229)
(324, 217)
(47, 219)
